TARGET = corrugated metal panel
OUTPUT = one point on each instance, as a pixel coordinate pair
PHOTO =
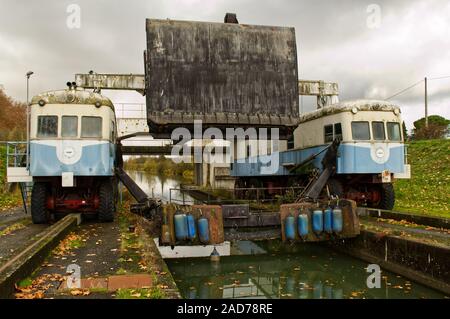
(211, 71)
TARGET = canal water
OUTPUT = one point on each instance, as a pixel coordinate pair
(164, 188)
(304, 271)
(312, 272)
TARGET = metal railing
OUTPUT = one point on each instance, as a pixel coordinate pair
(257, 195)
(16, 154)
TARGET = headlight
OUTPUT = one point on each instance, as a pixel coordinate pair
(354, 110)
(98, 104)
(41, 102)
(397, 111)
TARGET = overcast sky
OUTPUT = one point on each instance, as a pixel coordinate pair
(337, 41)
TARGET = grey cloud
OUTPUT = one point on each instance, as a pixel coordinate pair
(334, 43)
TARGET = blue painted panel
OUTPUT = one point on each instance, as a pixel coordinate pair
(352, 159)
(96, 160)
(260, 165)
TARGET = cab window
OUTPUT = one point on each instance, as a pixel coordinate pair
(393, 129)
(91, 126)
(69, 126)
(378, 131)
(47, 126)
(328, 133)
(360, 131)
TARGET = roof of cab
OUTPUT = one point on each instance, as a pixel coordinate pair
(348, 106)
(72, 96)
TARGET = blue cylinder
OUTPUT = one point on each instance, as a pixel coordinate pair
(203, 230)
(302, 225)
(328, 220)
(317, 221)
(192, 231)
(289, 227)
(338, 222)
(180, 222)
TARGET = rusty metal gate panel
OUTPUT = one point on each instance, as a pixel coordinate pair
(220, 73)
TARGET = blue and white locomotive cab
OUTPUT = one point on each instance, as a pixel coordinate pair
(371, 153)
(72, 132)
(72, 154)
(370, 133)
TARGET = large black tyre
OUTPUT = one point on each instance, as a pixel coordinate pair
(335, 187)
(387, 197)
(39, 212)
(107, 205)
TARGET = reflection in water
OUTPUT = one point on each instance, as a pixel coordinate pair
(160, 187)
(313, 272)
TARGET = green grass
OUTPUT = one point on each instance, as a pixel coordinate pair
(7, 199)
(428, 190)
(99, 290)
(76, 244)
(2, 166)
(25, 282)
(14, 227)
(151, 293)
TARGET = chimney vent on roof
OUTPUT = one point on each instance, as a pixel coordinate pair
(230, 18)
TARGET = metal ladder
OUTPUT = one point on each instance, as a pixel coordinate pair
(25, 191)
(16, 156)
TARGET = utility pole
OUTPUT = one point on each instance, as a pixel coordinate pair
(426, 102)
(29, 73)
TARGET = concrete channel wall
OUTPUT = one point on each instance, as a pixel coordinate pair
(23, 264)
(420, 262)
(152, 256)
(437, 222)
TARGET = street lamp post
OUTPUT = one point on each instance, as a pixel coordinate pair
(29, 73)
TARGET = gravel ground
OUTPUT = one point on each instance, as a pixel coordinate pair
(16, 232)
(11, 216)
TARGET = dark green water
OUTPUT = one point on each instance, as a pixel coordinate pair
(312, 271)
